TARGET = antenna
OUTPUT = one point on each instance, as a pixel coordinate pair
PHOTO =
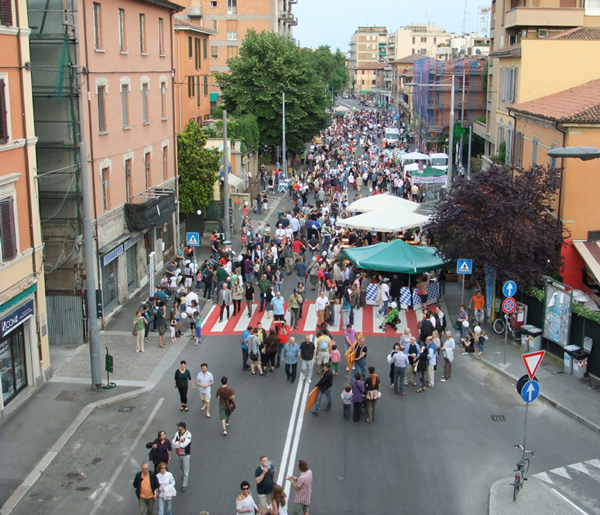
(464, 18)
(484, 20)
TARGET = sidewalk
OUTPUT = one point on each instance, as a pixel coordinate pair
(578, 398)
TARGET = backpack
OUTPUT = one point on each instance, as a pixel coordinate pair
(323, 343)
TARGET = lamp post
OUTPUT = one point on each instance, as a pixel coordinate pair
(451, 130)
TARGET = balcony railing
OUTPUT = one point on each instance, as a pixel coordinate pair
(544, 17)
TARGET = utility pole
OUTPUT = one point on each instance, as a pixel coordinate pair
(451, 135)
(284, 158)
(469, 161)
(226, 178)
(88, 252)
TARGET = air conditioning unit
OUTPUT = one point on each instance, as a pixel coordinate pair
(542, 33)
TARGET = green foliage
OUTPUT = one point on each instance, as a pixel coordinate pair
(331, 68)
(198, 169)
(244, 128)
(268, 66)
(500, 157)
(480, 119)
(578, 309)
(484, 79)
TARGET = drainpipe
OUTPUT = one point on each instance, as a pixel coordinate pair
(562, 171)
(176, 236)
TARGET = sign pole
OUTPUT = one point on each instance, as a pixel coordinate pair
(507, 320)
(462, 291)
(525, 429)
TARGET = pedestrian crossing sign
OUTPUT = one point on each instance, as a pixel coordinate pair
(192, 239)
(464, 266)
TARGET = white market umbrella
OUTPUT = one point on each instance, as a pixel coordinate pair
(414, 156)
(383, 221)
(383, 203)
(341, 109)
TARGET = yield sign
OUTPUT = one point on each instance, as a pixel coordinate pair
(532, 362)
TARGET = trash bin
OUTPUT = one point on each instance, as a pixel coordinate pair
(524, 341)
(568, 364)
(579, 358)
(534, 339)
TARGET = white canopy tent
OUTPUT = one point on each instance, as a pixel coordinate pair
(341, 109)
(383, 221)
(415, 156)
(382, 203)
(234, 181)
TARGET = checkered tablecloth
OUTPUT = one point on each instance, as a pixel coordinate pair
(434, 289)
(405, 298)
(417, 303)
(372, 294)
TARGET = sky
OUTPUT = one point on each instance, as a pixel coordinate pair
(332, 22)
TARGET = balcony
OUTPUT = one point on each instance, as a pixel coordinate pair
(543, 17)
(480, 129)
(293, 21)
(194, 11)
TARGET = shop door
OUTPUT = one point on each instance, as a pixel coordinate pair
(12, 364)
(109, 287)
(131, 269)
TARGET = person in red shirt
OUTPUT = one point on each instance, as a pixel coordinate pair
(283, 334)
(297, 247)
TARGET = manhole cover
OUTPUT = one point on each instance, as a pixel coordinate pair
(498, 418)
(67, 396)
(125, 409)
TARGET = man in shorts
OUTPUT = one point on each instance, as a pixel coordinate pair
(323, 346)
(205, 380)
(224, 394)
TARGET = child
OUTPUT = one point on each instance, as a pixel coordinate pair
(278, 280)
(335, 358)
(173, 326)
(177, 313)
(198, 328)
(347, 401)
(481, 340)
(267, 234)
(245, 210)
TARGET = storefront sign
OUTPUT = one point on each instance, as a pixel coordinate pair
(16, 318)
(112, 255)
(132, 241)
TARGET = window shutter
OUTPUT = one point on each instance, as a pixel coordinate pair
(205, 85)
(7, 229)
(3, 114)
(101, 113)
(6, 13)
(231, 25)
(503, 84)
(205, 48)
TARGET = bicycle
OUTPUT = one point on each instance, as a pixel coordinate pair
(499, 326)
(476, 317)
(521, 471)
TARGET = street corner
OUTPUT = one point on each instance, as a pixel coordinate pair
(534, 498)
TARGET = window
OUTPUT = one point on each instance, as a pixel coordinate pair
(510, 92)
(191, 86)
(165, 162)
(4, 136)
(125, 104)
(434, 41)
(231, 30)
(363, 82)
(592, 8)
(414, 40)
(373, 82)
(190, 47)
(6, 13)
(145, 102)
(101, 109)
(213, 25)
(509, 139)
(147, 171)
(232, 51)
(553, 159)
(161, 37)
(231, 6)
(214, 52)
(128, 179)
(503, 84)
(105, 172)
(204, 48)
(205, 85)
(163, 101)
(198, 56)
(122, 43)
(534, 152)
(232, 36)
(213, 3)
(8, 234)
(422, 51)
(142, 33)
(97, 26)
(423, 40)
(198, 91)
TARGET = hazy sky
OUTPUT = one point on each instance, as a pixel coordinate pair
(332, 22)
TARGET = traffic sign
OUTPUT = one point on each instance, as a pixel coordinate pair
(530, 391)
(532, 362)
(192, 239)
(509, 288)
(464, 266)
(509, 305)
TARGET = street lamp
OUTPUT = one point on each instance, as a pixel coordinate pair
(451, 131)
(583, 153)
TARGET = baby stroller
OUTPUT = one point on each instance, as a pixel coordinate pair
(392, 318)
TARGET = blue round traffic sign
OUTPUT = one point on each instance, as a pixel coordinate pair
(509, 288)
(509, 305)
(530, 391)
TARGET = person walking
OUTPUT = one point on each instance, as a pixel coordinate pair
(291, 353)
(278, 304)
(324, 385)
(265, 481)
(197, 325)
(166, 490)
(321, 305)
(225, 394)
(139, 330)
(263, 285)
(161, 323)
(294, 303)
(224, 301)
(448, 348)
(244, 502)
(183, 378)
(347, 401)
(358, 390)
(183, 447)
(323, 349)
(400, 361)
(161, 450)
(432, 351)
(412, 351)
(422, 365)
(303, 487)
(205, 380)
(308, 356)
(237, 292)
(254, 347)
(146, 488)
(249, 296)
(360, 357)
(395, 349)
(372, 394)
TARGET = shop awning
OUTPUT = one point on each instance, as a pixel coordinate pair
(590, 252)
(214, 97)
(233, 180)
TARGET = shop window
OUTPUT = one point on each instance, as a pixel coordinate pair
(13, 368)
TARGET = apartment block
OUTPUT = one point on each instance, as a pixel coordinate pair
(537, 48)
(24, 321)
(103, 77)
(419, 38)
(368, 45)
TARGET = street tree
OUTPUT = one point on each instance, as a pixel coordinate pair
(331, 67)
(503, 220)
(198, 169)
(269, 65)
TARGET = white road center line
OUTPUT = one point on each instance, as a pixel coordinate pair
(292, 460)
(570, 502)
(290, 432)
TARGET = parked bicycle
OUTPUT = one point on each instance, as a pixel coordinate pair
(499, 326)
(521, 470)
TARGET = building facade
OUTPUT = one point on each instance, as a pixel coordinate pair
(192, 89)
(368, 45)
(117, 97)
(419, 38)
(364, 78)
(536, 49)
(24, 352)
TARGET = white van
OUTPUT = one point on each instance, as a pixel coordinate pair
(391, 137)
(439, 161)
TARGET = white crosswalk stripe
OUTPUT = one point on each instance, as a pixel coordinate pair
(358, 320)
(311, 319)
(580, 467)
(561, 471)
(594, 463)
(243, 322)
(542, 476)
(207, 316)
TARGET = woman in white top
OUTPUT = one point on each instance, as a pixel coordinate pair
(244, 502)
(279, 504)
(166, 490)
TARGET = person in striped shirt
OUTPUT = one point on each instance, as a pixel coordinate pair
(303, 487)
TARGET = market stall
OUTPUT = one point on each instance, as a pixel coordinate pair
(379, 221)
(382, 203)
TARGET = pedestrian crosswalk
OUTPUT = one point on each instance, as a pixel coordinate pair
(365, 321)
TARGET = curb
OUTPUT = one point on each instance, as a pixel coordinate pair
(45, 462)
(549, 400)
